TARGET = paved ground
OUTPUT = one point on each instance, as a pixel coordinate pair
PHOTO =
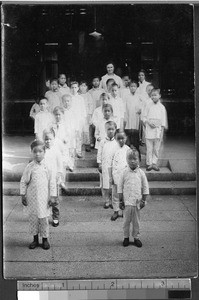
(88, 245)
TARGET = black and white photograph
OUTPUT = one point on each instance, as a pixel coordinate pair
(98, 141)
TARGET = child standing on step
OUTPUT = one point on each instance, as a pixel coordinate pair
(97, 116)
(38, 189)
(100, 131)
(42, 119)
(88, 102)
(133, 190)
(53, 95)
(107, 148)
(118, 165)
(132, 117)
(80, 115)
(53, 158)
(155, 120)
(96, 91)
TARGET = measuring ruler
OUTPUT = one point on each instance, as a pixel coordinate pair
(126, 288)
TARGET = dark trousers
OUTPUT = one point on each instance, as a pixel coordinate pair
(133, 139)
(92, 134)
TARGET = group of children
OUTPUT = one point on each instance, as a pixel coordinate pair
(114, 119)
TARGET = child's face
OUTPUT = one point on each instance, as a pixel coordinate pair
(110, 69)
(107, 113)
(110, 131)
(96, 82)
(114, 91)
(126, 81)
(74, 89)
(58, 116)
(141, 76)
(67, 102)
(155, 96)
(83, 88)
(38, 153)
(149, 89)
(48, 83)
(133, 88)
(104, 100)
(121, 139)
(49, 139)
(133, 162)
(54, 85)
(43, 104)
(62, 79)
(109, 85)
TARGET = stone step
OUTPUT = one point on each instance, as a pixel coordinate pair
(93, 188)
(89, 162)
(92, 174)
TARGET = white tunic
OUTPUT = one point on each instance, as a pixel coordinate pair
(54, 99)
(133, 107)
(42, 121)
(133, 184)
(70, 125)
(116, 78)
(64, 89)
(156, 113)
(97, 115)
(141, 90)
(38, 184)
(119, 163)
(105, 155)
(100, 131)
(79, 107)
(95, 94)
(34, 110)
(118, 110)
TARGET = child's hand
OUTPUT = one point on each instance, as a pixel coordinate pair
(51, 201)
(99, 139)
(100, 168)
(24, 200)
(142, 204)
(122, 205)
(152, 125)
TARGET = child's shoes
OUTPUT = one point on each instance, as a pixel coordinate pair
(111, 206)
(126, 242)
(45, 244)
(35, 243)
(149, 168)
(137, 243)
(106, 205)
(55, 223)
(155, 167)
(114, 216)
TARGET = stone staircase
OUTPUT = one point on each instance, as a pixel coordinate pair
(176, 177)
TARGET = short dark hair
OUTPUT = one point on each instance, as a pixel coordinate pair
(132, 152)
(115, 84)
(58, 108)
(111, 123)
(156, 90)
(133, 81)
(110, 79)
(143, 71)
(108, 105)
(74, 82)
(37, 143)
(53, 79)
(48, 131)
(83, 81)
(96, 76)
